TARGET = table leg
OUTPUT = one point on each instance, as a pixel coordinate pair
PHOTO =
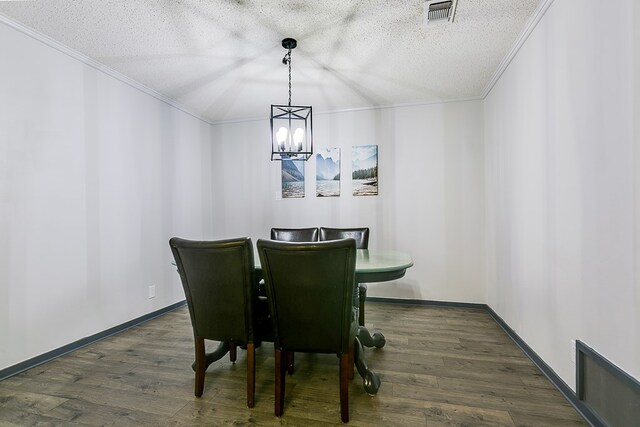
(362, 296)
(367, 339)
(370, 379)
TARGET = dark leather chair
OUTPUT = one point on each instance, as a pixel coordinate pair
(310, 290)
(218, 278)
(291, 235)
(295, 234)
(361, 236)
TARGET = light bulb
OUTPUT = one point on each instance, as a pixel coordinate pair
(298, 137)
(281, 137)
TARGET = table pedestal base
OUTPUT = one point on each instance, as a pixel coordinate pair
(376, 340)
(217, 354)
(370, 380)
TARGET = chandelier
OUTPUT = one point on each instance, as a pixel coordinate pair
(291, 128)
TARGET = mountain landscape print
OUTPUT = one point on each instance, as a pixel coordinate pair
(328, 173)
(364, 170)
(292, 179)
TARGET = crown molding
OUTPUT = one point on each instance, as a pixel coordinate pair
(524, 35)
(97, 65)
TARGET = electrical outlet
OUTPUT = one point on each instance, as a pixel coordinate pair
(573, 351)
(152, 291)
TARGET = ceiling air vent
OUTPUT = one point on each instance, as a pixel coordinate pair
(436, 11)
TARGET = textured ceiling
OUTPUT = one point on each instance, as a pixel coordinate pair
(222, 59)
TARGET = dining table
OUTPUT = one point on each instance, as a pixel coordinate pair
(371, 266)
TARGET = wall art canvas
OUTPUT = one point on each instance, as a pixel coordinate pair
(292, 179)
(328, 172)
(364, 170)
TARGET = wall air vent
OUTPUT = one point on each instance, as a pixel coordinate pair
(437, 11)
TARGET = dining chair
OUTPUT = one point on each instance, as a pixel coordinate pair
(218, 278)
(295, 234)
(361, 236)
(291, 235)
(310, 290)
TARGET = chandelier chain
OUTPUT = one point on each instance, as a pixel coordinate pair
(289, 61)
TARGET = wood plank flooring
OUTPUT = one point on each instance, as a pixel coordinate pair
(440, 367)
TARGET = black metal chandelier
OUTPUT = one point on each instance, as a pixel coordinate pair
(291, 126)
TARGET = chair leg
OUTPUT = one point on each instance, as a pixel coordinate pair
(251, 374)
(344, 387)
(290, 362)
(280, 381)
(201, 366)
(362, 294)
(233, 352)
(352, 360)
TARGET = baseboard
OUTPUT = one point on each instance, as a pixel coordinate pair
(427, 302)
(50, 355)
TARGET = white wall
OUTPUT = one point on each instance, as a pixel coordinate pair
(563, 185)
(431, 191)
(95, 176)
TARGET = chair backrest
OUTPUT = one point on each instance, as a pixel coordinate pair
(295, 234)
(360, 235)
(218, 280)
(310, 292)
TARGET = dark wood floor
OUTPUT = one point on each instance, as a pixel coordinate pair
(441, 366)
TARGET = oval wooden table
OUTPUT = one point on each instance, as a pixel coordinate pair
(381, 266)
(371, 266)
